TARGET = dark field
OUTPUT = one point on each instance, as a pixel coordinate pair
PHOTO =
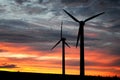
(4, 75)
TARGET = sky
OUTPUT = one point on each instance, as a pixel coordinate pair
(30, 28)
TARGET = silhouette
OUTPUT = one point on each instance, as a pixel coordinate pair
(5, 75)
(81, 37)
(63, 40)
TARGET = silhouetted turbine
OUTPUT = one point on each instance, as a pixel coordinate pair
(81, 32)
(62, 39)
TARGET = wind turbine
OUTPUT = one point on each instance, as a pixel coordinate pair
(81, 37)
(63, 40)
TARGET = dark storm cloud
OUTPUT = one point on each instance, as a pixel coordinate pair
(70, 1)
(74, 1)
(16, 24)
(40, 1)
(16, 38)
(114, 49)
(17, 31)
(34, 10)
(2, 10)
(115, 28)
(91, 39)
(84, 8)
(94, 6)
(20, 1)
(8, 66)
(105, 26)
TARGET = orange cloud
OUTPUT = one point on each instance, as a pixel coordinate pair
(30, 60)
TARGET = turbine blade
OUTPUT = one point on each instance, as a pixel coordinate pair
(78, 37)
(67, 44)
(94, 16)
(71, 16)
(61, 29)
(55, 44)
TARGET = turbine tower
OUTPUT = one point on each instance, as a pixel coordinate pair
(63, 40)
(81, 37)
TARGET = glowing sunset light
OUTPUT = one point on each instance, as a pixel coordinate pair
(29, 29)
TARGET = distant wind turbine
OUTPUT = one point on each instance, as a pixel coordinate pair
(63, 40)
(81, 37)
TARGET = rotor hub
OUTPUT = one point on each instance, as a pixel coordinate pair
(63, 39)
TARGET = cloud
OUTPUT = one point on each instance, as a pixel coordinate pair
(2, 50)
(73, 63)
(8, 66)
(17, 38)
(20, 1)
(16, 31)
(115, 63)
(42, 33)
(35, 24)
(75, 2)
(115, 28)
